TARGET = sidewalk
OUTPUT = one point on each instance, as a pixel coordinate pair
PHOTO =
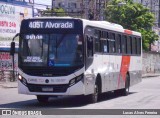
(8, 84)
(150, 75)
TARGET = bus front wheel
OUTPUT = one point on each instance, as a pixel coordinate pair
(42, 99)
(93, 98)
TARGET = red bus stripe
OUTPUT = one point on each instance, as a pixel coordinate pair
(124, 68)
(128, 31)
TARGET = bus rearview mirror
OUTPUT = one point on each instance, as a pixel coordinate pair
(12, 49)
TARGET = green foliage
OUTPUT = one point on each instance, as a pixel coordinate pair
(55, 12)
(133, 16)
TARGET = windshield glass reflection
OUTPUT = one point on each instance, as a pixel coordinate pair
(54, 50)
(64, 50)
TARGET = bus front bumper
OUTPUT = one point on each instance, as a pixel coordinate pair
(76, 89)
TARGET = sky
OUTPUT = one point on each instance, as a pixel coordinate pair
(45, 2)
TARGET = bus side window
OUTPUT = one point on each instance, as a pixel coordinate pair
(104, 42)
(89, 46)
(138, 46)
(118, 43)
(124, 44)
(111, 41)
(129, 39)
(97, 41)
(133, 46)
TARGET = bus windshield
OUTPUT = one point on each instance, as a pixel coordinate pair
(52, 50)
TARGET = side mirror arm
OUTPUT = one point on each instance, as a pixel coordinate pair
(12, 51)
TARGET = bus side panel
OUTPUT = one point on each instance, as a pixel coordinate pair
(99, 69)
(108, 73)
(92, 71)
(135, 70)
(119, 80)
(112, 66)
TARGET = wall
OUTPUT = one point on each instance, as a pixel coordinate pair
(151, 62)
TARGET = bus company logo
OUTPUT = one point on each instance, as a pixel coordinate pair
(47, 81)
(6, 112)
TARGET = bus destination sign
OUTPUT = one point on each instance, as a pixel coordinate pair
(51, 24)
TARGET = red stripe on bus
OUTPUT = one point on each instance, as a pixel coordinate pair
(128, 31)
(124, 68)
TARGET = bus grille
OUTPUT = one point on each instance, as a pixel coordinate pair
(56, 88)
(47, 71)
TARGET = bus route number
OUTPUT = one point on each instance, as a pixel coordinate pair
(36, 24)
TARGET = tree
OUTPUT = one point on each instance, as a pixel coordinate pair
(133, 16)
(54, 12)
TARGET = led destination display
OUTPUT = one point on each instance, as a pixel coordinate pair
(51, 24)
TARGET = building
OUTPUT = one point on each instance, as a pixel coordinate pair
(89, 9)
(74, 7)
(154, 6)
(95, 8)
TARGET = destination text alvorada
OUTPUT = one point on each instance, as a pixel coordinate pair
(50, 25)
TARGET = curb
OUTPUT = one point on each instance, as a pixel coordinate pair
(150, 75)
(9, 86)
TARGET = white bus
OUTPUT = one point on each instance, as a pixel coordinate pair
(63, 56)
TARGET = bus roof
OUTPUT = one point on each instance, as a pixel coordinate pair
(98, 24)
(110, 26)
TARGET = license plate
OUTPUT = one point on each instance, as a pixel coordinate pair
(47, 89)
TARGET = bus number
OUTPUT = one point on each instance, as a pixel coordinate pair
(36, 24)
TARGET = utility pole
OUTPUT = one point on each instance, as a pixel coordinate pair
(99, 9)
(159, 15)
(52, 4)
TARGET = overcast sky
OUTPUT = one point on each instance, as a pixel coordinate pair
(46, 2)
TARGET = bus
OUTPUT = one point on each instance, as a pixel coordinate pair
(66, 56)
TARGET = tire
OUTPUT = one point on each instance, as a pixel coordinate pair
(125, 91)
(93, 98)
(42, 99)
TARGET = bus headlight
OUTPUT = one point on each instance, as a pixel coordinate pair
(75, 80)
(19, 77)
(22, 80)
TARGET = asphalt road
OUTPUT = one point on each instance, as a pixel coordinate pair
(145, 95)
